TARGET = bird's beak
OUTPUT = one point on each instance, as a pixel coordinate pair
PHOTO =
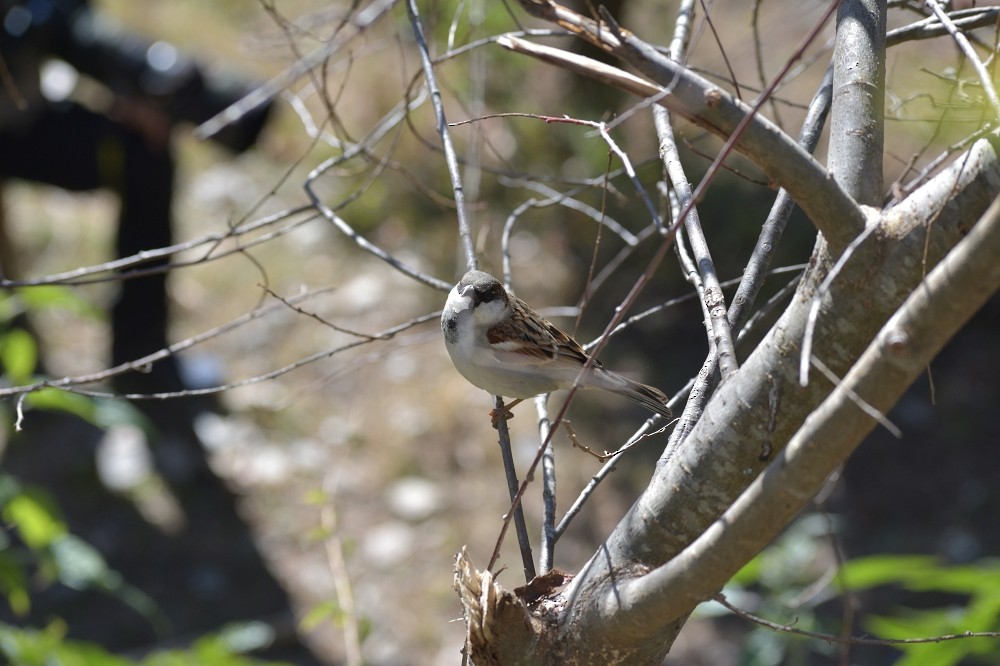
(461, 298)
(469, 293)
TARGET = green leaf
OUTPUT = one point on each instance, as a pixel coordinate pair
(36, 518)
(14, 584)
(327, 611)
(63, 401)
(110, 412)
(31, 647)
(928, 623)
(18, 355)
(868, 572)
(57, 297)
(79, 564)
(10, 307)
(975, 579)
(49, 647)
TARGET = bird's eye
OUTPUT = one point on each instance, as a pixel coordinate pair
(491, 294)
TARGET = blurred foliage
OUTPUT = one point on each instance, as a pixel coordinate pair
(37, 550)
(19, 356)
(974, 606)
(794, 575)
(781, 578)
(48, 647)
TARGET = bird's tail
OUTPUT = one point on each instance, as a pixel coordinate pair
(651, 398)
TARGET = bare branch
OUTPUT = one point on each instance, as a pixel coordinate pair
(442, 126)
(360, 22)
(93, 274)
(548, 544)
(703, 103)
(516, 489)
(741, 430)
(715, 300)
(928, 28)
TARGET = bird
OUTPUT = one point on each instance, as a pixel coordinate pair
(498, 343)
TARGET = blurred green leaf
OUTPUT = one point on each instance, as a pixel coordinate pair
(976, 579)
(14, 584)
(79, 564)
(920, 573)
(57, 297)
(977, 611)
(49, 647)
(867, 572)
(36, 518)
(327, 611)
(929, 623)
(110, 412)
(750, 573)
(63, 401)
(247, 636)
(9, 307)
(18, 355)
(316, 497)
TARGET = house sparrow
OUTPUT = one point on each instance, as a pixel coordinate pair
(503, 346)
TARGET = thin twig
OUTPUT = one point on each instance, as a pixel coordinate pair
(72, 384)
(781, 210)
(714, 299)
(758, 52)
(970, 53)
(82, 275)
(817, 301)
(722, 51)
(442, 126)
(347, 617)
(361, 22)
(602, 130)
(513, 486)
(854, 640)
(928, 28)
(367, 245)
(858, 400)
(609, 466)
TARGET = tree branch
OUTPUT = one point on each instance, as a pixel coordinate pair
(715, 300)
(858, 116)
(683, 92)
(752, 417)
(934, 312)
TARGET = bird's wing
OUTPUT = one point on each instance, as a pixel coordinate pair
(532, 339)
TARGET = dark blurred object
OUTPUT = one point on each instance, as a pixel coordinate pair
(131, 67)
(207, 571)
(120, 142)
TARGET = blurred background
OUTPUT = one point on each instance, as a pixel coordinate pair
(310, 512)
